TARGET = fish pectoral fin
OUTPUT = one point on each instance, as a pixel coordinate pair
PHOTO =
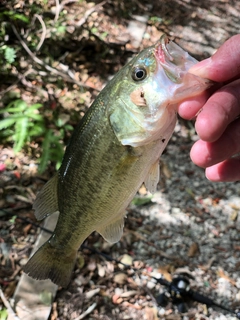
(46, 201)
(152, 178)
(50, 263)
(113, 231)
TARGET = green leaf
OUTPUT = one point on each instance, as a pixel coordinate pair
(33, 107)
(140, 201)
(6, 134)
(3, 314)
(10, 54)
(6, 123)
(13, 219)
(16, 16)
(36, 129)
(21, 17)
(35, 116)
(16, 106)
(21, 134)
(61, 29)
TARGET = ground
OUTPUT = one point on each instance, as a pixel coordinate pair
(189, 226)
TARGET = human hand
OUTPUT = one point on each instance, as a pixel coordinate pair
(217, 122)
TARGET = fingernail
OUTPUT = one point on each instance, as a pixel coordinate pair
(201, 68)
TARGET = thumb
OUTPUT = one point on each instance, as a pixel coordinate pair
(224, 65)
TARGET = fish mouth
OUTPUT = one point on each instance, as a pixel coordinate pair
(161, 51)
(172, 58)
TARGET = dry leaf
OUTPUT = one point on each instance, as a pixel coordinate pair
(120, 278)
(116, 299)
(101, 270)
(126, 259)
(129, 293)
(166, 271)
(223, 275)
(234, 215)
(151, 313)
(26, 229)
(193, 250)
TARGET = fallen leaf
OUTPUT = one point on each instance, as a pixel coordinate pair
(193, 250)
(92, 293)
(128, 294)
(134, 306)
(26, 229)
(120, 278)
(116, 299)
(166, 271)
(234, 215)
(151, 313)
(126, 259)
(222, 274)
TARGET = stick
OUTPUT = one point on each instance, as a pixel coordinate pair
(89, 12)
(88, 311)
(8, 306)
(58, 9)
(44, 29)
(65, 76)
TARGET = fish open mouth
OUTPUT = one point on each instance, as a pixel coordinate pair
(169, 56)
(161, 50)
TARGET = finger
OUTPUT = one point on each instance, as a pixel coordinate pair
(227, 171)
(189, 108)
(224, 65)
(206, 154)
(218, 112)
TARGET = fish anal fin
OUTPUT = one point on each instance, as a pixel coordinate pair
(46, 201)
(113, 231)
(51, 263)
(152, 178)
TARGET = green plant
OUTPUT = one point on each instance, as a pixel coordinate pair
(22, 124)
(52, 150)
(9, 54)
(3, 314)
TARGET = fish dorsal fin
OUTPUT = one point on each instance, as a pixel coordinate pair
(152, 178)
(46, 201)
(114, 231)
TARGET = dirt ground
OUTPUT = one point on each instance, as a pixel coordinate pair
(190, 226)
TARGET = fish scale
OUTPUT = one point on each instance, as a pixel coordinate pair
(114, 149)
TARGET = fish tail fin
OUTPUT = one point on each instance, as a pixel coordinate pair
(51, 263)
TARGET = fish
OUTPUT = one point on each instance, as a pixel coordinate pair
(113, 150)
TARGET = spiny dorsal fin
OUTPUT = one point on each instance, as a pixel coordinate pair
(46, 201)
(152, 178)
(114, 231)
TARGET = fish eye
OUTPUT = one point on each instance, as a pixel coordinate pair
(139, 73)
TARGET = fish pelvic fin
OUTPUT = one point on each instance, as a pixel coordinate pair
(152, 178)
(46, 201)
(51, 263)
(114, 231)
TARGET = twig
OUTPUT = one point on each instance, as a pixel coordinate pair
(20, 78)
(58, 9)
(68, 77)
(11, 313)
(44, 32)
(88, 311)
(89, 12)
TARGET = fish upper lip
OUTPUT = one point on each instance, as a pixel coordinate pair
(161, 51)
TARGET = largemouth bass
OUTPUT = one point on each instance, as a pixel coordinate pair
(114, 149)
